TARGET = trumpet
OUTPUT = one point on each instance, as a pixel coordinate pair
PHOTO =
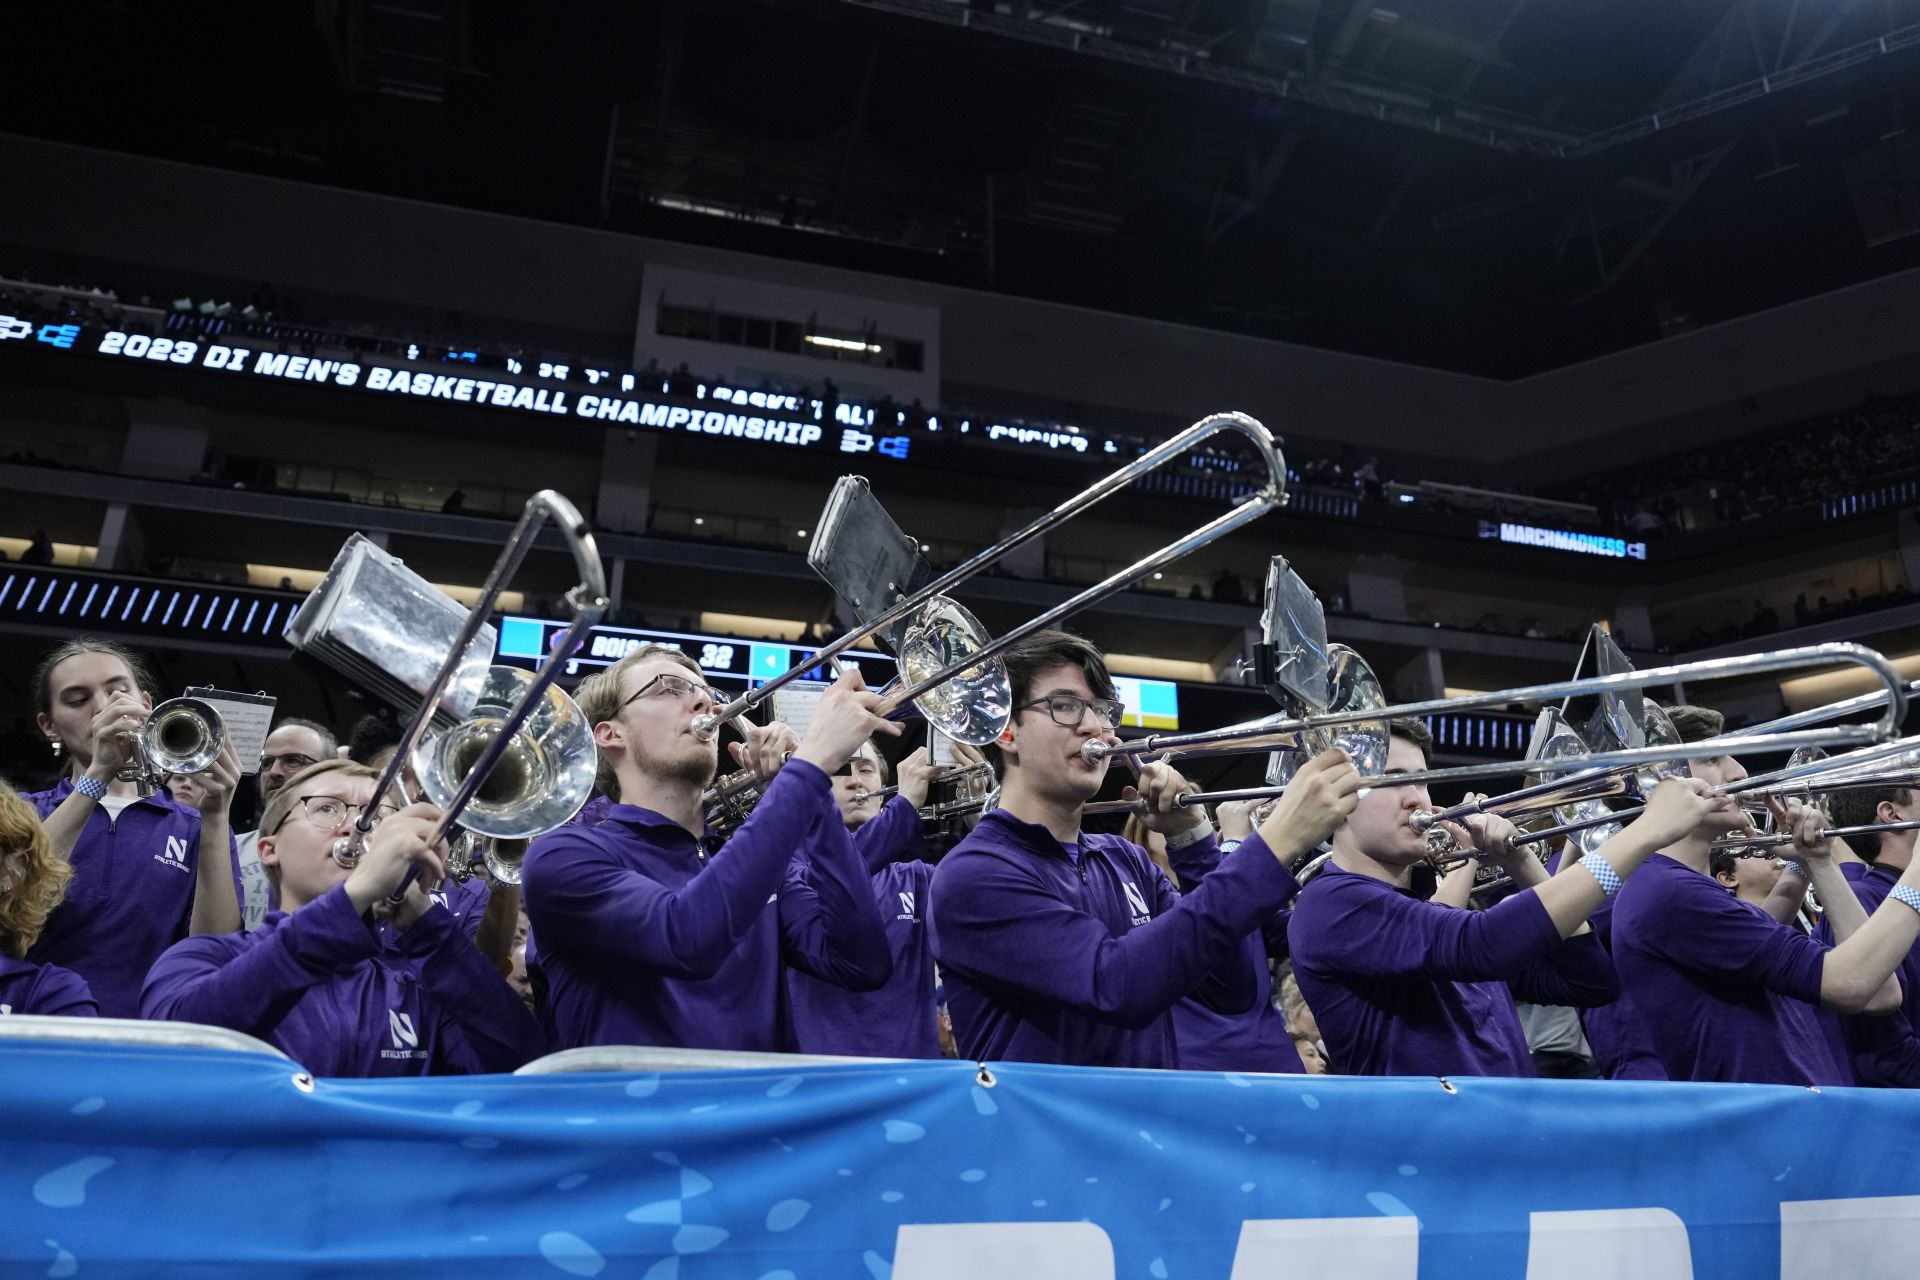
(499, 859)
(974, 788)
(180, 736)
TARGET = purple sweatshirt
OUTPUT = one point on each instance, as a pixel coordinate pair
(317, 984)
(646, 939)
(131, 896)
(44, 989)
(1256, 1040)
(1402, 986)
(1883, 1048)
(1622, 1046)
(897, 1020)
(1078, 956)
(1728, 992)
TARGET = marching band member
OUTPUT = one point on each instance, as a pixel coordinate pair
(1728, 992)
(899, 1019)
(1401, 986)
(32, 879)
(147, 871)
(315, 979)
(647, 933)
(1057, 945)
(1885, 1051)
(293, 745)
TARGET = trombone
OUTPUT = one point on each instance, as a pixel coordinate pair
(943, 640)
(523, 757)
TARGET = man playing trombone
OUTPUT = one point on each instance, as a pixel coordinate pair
(1402, 986)
(1728, 992)
(648, 932)
(1056, 945)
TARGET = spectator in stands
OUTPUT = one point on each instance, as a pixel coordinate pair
(1227, 589)
(680, 381)
(1059, 945)
(1402, 986)
(455, 503)
(293, 745)
(33, 879)
(147, 871)
(315, 980)
(639, 937)
(39, 550)
(1727, 991)
(898, 1019)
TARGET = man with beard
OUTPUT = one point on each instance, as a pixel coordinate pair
(645, 929)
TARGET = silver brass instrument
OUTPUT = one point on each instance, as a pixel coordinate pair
(499, 859)
(180, 736)
(937, 641)
(730, 800)
(516, 757)
(970, 788)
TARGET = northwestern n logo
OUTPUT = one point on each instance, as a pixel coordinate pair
(401, 1024)
(907, 907)
(176, 850)
(1137, 901)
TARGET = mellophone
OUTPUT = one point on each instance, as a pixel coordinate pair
(507, 755)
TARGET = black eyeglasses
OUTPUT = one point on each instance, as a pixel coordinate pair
(673, 686)
(294, 760)
(1067, 709)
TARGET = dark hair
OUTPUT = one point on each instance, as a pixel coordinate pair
(1855, 808)
(43, 674)
(1047, 649)
(1416, 732)
(372, 734)
(1696, 723)
(1042, 651)
(1721, 863)
(327, 740)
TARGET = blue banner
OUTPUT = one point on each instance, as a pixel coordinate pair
(182, 1162)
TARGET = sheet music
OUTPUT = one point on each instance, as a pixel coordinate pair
(246, 718)
(793, 705)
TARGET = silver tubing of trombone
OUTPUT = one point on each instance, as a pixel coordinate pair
(1273, 494)
(1893, 712)
(884, 793)
(588, 600)
(1758, 782)
(1775, 839)
(1830, 711)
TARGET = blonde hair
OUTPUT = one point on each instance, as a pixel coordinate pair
(280, 803)
(39, 875)
(599, 698)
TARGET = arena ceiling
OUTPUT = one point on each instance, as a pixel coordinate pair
(1492, 186)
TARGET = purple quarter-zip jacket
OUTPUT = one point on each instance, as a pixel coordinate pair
(1256, 1040)
(1883, 1048)
(1622, 1046)
(646, 939)
(1077, 956)
(131, 896)
(897, 1020)
(318, 984)
(1402, 986)
(45, 989)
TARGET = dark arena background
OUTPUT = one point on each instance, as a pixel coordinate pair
(1574, 339)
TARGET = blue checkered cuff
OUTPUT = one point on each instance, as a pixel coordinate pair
(92, 788)
(1602, 871)
(1907, 894)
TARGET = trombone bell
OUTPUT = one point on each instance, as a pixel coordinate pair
(541, 779)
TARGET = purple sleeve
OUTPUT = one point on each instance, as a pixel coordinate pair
(1578, 973)
(1195, 861)
(575, 889)
(1361, 930)
(1711, 932)
(830, 923)
(999, 921)
(880, 839)
(62, 993)
(220, 980)
(1228, 987)
(489, 1028)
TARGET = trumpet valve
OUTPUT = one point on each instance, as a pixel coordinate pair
(1440, 842)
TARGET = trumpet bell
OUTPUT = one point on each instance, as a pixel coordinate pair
(975, 705)
(182, 735)
(542, 779)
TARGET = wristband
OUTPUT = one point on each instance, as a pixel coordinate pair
(1794, 865)
(1907, 894)
(1602, 871)
(92, 788)
(1228, 846)
(1192, 835)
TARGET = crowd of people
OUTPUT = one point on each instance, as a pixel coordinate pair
(838, 915)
